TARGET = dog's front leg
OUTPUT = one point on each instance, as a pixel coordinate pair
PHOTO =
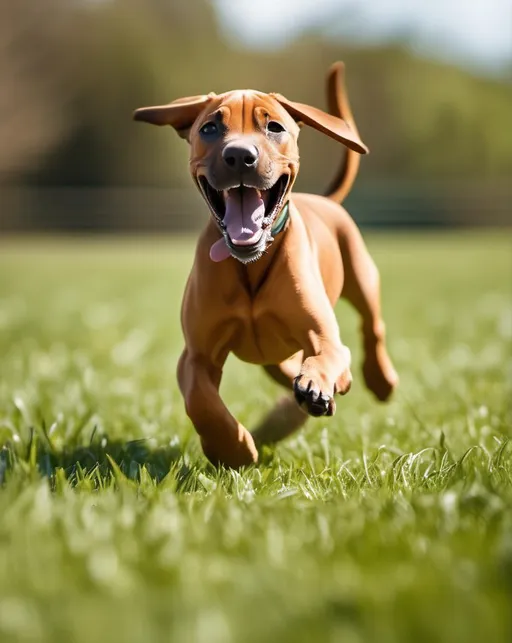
(326, 367)
(224, 440)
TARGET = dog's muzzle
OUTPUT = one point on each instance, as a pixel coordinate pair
(245, 216)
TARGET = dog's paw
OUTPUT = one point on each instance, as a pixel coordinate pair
(233, 453)
(379, 374)
(311, 398)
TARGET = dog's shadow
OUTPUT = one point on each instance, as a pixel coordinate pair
(101, 463)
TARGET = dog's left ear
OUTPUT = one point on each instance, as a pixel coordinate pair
(332, 126)
(180, 114)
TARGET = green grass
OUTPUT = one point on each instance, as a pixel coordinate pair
(385, 523)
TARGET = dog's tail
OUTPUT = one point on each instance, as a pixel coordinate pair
(338, 104)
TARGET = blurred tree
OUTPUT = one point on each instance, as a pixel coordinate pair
(34, 107)
(125, 53)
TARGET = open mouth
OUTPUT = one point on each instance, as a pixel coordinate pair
(245, 216)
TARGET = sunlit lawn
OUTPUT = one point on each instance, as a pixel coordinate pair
(385, 523)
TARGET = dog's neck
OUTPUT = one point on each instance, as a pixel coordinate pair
(254, 274)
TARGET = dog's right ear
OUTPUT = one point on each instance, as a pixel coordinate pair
(180, 114)
(332, 126)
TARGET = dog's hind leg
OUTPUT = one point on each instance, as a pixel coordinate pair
(286, 416)
(362, 290)
(285, 372)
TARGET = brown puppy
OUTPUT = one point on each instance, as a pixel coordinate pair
(270, 265)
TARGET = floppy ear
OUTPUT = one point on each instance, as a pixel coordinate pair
(180, 114)
(332, 126)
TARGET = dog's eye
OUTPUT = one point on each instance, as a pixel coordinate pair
(209, 129)
(275, 127)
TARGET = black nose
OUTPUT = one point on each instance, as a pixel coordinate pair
(240, 156)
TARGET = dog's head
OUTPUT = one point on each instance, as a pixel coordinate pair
(244, 158)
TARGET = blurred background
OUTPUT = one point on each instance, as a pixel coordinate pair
(430, 85)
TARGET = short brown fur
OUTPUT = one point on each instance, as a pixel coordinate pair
(277, 311)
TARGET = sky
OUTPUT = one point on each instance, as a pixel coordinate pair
(473, 33)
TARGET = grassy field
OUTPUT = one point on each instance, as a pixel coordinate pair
(385, 523)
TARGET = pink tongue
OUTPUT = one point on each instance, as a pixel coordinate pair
(219, 251)
(244, 215)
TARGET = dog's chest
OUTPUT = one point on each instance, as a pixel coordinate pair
(263, 341)
(263, 331)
